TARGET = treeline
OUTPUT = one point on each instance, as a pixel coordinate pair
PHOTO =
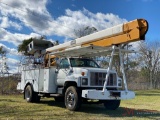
(8, 85)
(142, 68)
(139, 80)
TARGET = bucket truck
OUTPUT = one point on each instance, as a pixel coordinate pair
(67, 72)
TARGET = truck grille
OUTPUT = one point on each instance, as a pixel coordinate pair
(98, 79)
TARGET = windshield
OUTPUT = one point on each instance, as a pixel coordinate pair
(83, 62)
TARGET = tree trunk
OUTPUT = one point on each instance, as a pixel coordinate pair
(150, 80)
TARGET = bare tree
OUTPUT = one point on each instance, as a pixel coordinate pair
(150, 62)
(83, 31)
(129, 63)
(2, 52)
(3, 69)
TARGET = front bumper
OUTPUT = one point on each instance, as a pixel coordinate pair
(108, 94)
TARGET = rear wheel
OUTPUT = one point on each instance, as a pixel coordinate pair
(30, 95)
(111, 104)
(72, 98)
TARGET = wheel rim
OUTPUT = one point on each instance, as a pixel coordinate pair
(27, 94)
(70, 99)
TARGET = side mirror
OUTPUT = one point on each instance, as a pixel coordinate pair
(71, 70)
(57, 65)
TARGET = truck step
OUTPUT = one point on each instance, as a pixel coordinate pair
(49, 95)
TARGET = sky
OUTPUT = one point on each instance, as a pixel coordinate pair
(58, 19)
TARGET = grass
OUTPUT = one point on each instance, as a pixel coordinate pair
(145, 106)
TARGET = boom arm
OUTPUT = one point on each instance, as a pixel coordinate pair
(124, 33)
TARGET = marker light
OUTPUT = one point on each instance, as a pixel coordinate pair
(82, 73)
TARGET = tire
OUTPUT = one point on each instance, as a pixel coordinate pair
(111, 104)
(30, 95)
(72, 98)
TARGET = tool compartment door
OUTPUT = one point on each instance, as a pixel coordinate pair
(50, 80)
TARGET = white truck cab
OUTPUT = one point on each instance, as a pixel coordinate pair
(87, 73)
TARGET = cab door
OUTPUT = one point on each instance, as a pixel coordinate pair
(63, 71)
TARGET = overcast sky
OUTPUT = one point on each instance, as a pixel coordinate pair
(57, 19)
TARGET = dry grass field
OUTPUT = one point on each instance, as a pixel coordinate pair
(145, 106)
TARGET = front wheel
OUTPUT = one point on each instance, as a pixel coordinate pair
(111, 104)
(72, 98)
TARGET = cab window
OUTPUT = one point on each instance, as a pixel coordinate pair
(83, 62)
(64, 63)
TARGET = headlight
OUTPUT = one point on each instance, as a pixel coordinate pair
(84, 81)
